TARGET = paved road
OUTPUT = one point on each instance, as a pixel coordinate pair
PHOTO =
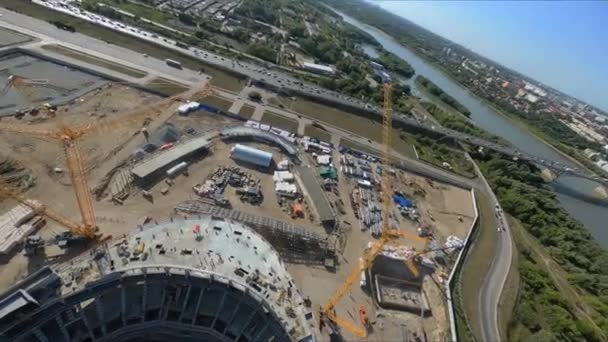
(492, 287)
(275, 78)
(493, 284)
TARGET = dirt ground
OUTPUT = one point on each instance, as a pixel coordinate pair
(42, 157)
(102, 152)
(445, 203)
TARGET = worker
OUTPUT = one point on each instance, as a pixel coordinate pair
(145, 133)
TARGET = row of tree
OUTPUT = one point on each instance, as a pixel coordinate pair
(442, 95)
(542, 314)
(393, 63)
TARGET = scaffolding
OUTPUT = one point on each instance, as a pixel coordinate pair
(294, 243)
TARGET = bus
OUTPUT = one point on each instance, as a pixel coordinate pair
(173, 63)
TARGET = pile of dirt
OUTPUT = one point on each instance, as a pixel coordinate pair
(14, 173)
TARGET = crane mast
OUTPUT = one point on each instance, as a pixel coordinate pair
(69, 137)
(81, 187)
(387, 127)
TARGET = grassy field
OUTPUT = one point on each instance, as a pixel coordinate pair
(318, 133)
(438, 154)
(279, 121)
(247, 111)
(508, 299)
(166, 86)
(363, 148)
(478, 261)
(220, 78)
(358, 125)
(83, 57)
(217, 102)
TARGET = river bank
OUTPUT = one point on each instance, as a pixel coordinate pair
(488, 118)
(535, 133)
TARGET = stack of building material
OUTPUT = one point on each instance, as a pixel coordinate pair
(15, 225)
(395, 252)
(453, 244)
(205, 189)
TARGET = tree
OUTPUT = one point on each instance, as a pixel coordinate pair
(186, 19)
(202, 35)
(264, 51)
(241, 35)
(255, 96)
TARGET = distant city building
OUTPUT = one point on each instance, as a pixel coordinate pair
(319, 68)
(591, 154)
(531, 98)
(534, 89)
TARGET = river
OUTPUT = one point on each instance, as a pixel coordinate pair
(593, 216)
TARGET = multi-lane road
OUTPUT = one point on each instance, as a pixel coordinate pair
(46, 33)
(275, 78)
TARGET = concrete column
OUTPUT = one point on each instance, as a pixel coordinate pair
(123, 304)
(181, 314)
(259, 334)
(40, 335)
(144, 301)
(64, 331)
(246, 324)
(165, 308)
(238, 305)
(162, 303)
(86, 324)
(198, 304)
(99, 309)
(219, 308)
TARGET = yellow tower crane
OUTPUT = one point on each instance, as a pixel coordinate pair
(69, 137)
(388, 233)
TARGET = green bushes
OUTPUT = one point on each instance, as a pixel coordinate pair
(443, 96)
(543, 312)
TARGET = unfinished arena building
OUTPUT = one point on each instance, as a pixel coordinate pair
(187, 279)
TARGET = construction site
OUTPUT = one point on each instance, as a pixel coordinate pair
(127, 215)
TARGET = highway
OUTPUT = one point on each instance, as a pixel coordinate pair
(276, 79)
(495, 278)
(492, 287)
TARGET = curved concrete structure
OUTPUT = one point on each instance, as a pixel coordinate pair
(184, 280)
(259, 135)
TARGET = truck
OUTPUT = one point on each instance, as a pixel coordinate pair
(182, 45)
(173, 63)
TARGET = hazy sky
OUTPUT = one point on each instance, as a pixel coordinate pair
(562, 44)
